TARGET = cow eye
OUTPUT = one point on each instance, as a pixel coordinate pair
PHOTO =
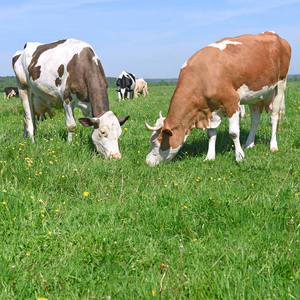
(102, 133)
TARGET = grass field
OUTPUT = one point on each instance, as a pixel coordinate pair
(74, 226)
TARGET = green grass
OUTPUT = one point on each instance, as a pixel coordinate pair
(74, 226)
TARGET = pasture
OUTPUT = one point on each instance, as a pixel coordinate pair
(74, 226)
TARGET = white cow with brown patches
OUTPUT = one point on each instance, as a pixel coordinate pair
(67, 74)
(248, 69)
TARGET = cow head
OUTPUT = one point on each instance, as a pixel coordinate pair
(106, 132)
(161, 140)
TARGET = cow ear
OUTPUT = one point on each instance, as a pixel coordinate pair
(166, 129)
(167, 132)
(87, 122)
(122, 120)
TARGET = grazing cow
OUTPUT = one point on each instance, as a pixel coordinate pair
(10, 92)
(67, 74)
(141, 87)
(248, 69)
(125, 85)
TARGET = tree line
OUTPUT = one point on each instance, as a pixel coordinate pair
(11, 81)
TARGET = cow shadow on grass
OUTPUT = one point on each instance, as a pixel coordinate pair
(197, 144)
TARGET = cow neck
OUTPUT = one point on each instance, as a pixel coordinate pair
(182, 114)
(98, 97)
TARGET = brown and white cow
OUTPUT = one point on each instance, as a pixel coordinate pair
(141, 87)
(248, 69)
(67, 74)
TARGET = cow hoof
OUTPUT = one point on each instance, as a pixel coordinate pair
(274, 149)
(208, 158)
(116, 156)
(249, 146)
(239, 156)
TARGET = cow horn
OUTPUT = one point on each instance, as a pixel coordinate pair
(160, 115)
(153, 128)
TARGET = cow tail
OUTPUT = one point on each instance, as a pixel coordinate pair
(281, 113)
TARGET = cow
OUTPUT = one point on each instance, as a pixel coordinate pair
(10, 91)
(141, 87)
(11, 94)
(125, 85)
(67, 74)
(247, 69)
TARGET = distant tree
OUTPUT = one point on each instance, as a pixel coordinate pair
(7, 81)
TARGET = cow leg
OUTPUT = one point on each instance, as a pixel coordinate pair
(212, 137)
(119, 95)
(212, 133)
(234, 132)
(71, 124)
(255, 117)
(29, 118)
(277, 112)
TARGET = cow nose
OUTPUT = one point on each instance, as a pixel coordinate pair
(115, 156)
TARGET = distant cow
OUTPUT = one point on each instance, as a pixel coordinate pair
(141, 87)
(248, 69)
(10, 92)
(67, 74)
(125, 85)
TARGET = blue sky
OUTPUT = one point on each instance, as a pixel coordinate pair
(151, 39)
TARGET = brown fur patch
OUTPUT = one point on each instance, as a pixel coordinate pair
(60, 70)
(165, 142)
(90, 84)
(57, 81)
(33, 69)
(15, 58)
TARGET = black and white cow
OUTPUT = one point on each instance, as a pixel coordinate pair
(67, 74)
(125, 85)
(10, 91)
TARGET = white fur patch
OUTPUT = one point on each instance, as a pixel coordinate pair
(268, 32)
(184, 65)
(222, 45)
(251, 97)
